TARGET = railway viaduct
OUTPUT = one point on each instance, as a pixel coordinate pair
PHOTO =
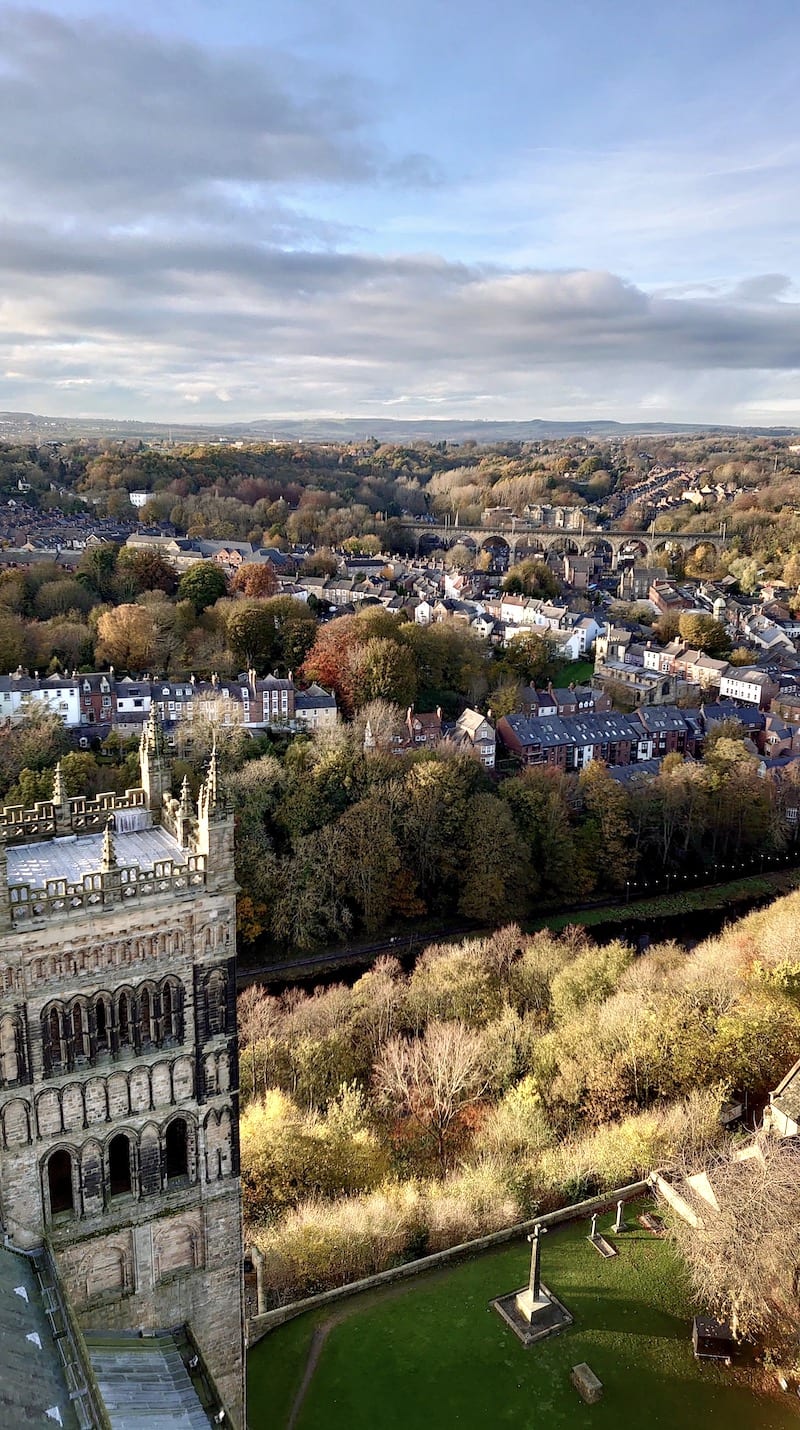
(609, 542)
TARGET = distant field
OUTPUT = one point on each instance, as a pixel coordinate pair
(432, 1353)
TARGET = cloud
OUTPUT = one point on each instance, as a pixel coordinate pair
(275, 329)
(133, 124)
(163, 241)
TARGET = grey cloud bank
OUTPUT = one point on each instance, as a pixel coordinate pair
(166, 246)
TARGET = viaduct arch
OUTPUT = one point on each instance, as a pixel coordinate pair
(541, 540)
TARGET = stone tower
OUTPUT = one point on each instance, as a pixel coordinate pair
(118, 1065)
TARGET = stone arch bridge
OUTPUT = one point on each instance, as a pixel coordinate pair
(609, 542)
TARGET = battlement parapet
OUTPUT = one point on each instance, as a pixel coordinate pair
(80, 815)
(99, 890)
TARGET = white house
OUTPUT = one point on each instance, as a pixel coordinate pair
(752, 687)
(59, 694)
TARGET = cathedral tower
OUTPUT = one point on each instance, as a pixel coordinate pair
(118, 1065)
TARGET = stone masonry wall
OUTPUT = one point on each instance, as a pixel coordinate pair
(120, 1024)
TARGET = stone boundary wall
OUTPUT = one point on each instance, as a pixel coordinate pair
(260, 1325)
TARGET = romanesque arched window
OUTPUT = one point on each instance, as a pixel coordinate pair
(79, 1031)
(102, 1023)
(124, 1020)
(119, 1165)
(177, 1149)
(147, 1030)
(52, 1039)
(216, 997)
(59, 1182)
(9, 1050)
(171, 1010)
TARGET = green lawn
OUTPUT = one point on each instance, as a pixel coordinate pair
(431, 1353)
(573, 672)
(684, 900)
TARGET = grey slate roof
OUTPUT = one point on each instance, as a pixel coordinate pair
(31, 1374)
(658, 719)
(586, 729)
(144, 1383)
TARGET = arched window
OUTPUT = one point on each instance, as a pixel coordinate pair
(170, 1011)
(59, 1182)
(101, 1020)
(215, 1002)
(119, 1165)
(9, 1059)
(146, 1016)
(177, 1149)
(78, 1024)
(51, 1036)
(124, 1020)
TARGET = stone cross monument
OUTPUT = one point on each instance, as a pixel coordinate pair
(534, 1283)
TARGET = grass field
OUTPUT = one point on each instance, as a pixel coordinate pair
(680, 901)
(574, 672)
(432, 1353)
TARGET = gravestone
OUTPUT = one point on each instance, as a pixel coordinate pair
(587, 1384)
(600, 1244)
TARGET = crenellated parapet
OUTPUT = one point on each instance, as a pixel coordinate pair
(82, 855)
(51, 818)
(103, 888)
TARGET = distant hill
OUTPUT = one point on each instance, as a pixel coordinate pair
(30, 426)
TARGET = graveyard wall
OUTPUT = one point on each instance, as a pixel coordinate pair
(259, 1326)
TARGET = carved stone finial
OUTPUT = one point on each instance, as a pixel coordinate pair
(108, 860)
(211, 784)
(186, 799)
(153, 732)
(59, 793)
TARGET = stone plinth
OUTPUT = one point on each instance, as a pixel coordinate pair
(530, 1306)
(532, 1318)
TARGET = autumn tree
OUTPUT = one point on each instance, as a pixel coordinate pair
(126, 637)
(250, 627)
(368, 859)
(382, 669)
(328, 660)
(743, 1257)
(97, 570)
(61, 598)
(532, 577)
(527, 658)
(494, 867)
(704, 633)
(605, 831)
(538, 800)
(256, 580)
(13, 641)
(450, 661)
(145, 569)
(295, 630)
(432, 1079)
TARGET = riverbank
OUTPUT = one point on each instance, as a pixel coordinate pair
(637, 919)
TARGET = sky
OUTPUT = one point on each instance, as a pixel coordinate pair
(405, 208)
